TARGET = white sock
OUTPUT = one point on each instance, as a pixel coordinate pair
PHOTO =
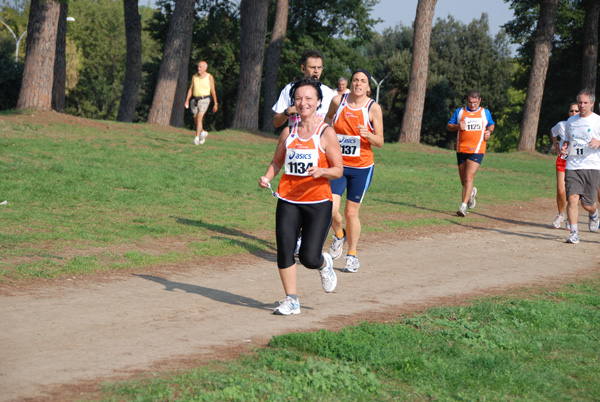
(463, 205)
(574, 227)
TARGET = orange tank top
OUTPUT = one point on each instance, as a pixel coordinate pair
(356, 150)
(471, 140)
(296, 185)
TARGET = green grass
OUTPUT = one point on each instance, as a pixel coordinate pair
(81, 196)
(531, 347)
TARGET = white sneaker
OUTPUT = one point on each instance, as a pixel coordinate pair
(197, 140)
(287, 306)
(352, 264)
(336, 247)
(328, 277)
(573, 237)
(471, 204)
(593, 224)
(462, 211)
(568, 224)
(559, 218)
(203, 136)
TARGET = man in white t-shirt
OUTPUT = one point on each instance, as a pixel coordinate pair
(582, 173)
(311, 65)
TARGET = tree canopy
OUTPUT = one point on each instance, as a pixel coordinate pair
(564, 71)
(462, 57)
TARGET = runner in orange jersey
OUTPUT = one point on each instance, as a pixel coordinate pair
(310, 155)
(475, 126)
(358, 122)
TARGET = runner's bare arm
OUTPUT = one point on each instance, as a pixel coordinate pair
(189, 95)
(332, 149)
(213, 92)
(333, 106)
(376, 117)
(277, 161)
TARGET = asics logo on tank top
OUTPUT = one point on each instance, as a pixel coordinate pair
(345, 140)
(294, 155)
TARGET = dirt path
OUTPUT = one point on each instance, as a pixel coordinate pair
(61, 340)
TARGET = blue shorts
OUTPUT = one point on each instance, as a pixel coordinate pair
(356, 181)
(463, 157)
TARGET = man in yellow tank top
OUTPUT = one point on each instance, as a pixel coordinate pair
(200, 92)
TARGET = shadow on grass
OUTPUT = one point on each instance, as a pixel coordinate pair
(214, 294)
(482, 215)
(236, 237)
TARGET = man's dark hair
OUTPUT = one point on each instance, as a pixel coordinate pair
(315, 54)
(474, 94)
(303, 82)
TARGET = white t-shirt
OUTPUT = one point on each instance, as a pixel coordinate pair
(579, 132)
(285, 101)
(559, 130)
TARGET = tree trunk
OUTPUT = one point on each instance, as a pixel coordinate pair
(133, 69)
(181, 26)
(182, 85)
(253, 31)
(38, 72)
(60, 61)
(590, 44)
(542, 43)
(272, 63)
(417, 85)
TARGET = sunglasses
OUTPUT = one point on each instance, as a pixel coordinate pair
(573, 111)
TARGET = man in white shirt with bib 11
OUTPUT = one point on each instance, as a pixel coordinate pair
(582, 173)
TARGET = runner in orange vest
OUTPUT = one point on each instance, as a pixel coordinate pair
(358, 122)
(310, 156)
(475, 126)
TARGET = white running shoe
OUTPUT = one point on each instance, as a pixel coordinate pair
(336, 247)
(352, 264)
(203, 136)
(462, 211)
(568, 224)
(471, 204)
(593, 224)
(328, 277)
(197, 140)
(573, 237)
(559, 218)
(287, 306)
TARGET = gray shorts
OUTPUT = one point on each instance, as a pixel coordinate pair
(199, 105)
(584, 182)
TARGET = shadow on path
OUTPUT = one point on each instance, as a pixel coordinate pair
(214, 294)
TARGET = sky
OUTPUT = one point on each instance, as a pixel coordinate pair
(394, 12)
